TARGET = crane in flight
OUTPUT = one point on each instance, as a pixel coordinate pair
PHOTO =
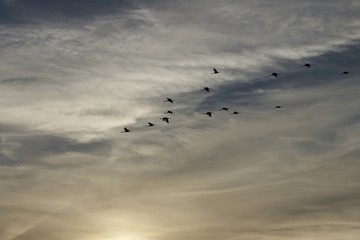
(215, 71)
(169, 100)
(274, 74)
(126, 130)
(208, 113)
(150, 124)
(207, 89)
(165, 119)
(308, 65)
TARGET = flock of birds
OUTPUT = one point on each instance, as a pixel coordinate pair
(207, 89)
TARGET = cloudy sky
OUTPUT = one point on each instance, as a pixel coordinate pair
(74, 73)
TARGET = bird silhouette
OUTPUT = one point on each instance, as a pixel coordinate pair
(150, 124)
(165, 119)
(126, 130)
(235, 113)
(169, 100)
(215, 71)
(208, 113)
(344, 73)
(274, 74)
(308, 65)
(169, 112)
(207, 89)
(224, 108)
(276, 107)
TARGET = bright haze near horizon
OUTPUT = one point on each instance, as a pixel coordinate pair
(75, 73)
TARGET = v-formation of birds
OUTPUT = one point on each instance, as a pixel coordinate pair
(207, 89)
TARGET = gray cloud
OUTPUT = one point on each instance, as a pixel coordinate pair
(35, 12)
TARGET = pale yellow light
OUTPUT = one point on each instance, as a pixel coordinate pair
(127, 237)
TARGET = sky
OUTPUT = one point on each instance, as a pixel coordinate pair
(75, 73)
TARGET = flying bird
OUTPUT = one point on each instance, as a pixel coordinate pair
(207, 89)
(235, 113)
(150, 124)
(274, 74)
(215, 71)
(169, 112)
(224, 108)
(208, 113)
(276, 107)
(308, 65)
(344, 73)
(169, 100)
(125, 130)
(165, 119)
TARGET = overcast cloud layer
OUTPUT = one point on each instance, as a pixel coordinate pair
(74, 73)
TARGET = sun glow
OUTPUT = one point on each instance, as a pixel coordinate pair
(127, 237)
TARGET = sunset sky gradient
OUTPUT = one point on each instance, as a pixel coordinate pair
(75, 72)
